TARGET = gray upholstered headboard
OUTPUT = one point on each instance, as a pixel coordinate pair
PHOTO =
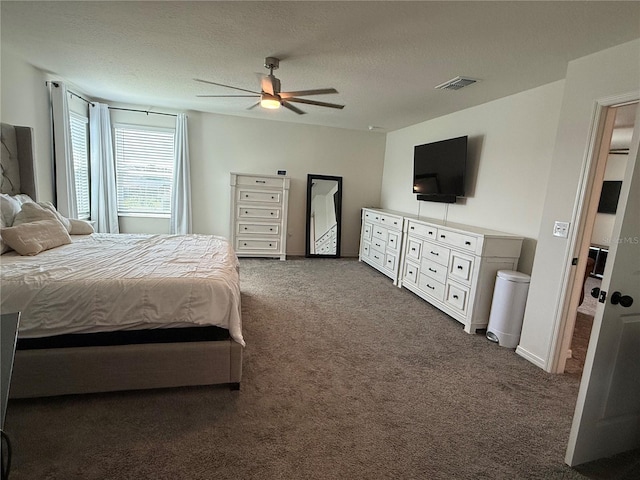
(17, 173)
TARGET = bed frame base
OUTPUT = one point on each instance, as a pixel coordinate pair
(65, 371)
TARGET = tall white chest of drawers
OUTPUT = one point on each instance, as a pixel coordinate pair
(259, 206)
(454, 267)
(380, 241)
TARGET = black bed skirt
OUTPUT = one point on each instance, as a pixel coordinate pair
(127, 337)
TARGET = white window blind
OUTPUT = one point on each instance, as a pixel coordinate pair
(79, 145)
(144, 169)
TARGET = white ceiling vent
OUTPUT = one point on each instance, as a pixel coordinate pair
(456, 83)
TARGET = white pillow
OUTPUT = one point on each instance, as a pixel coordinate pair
(34, 237)
(80, 227)
(9, 207)
(63, 220)
(32, 212)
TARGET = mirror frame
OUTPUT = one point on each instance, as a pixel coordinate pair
(338, 206)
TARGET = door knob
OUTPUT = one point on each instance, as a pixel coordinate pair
(595, 292)
(624, 300)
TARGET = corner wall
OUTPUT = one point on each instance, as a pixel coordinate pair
(510, 149)
(601, 76)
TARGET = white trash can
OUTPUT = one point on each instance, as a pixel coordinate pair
(507, 308)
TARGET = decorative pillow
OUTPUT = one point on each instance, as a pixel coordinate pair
(63, 220)
(32, 212)
(3, 246)
(9, 207)
(34, 237)
(80, 227)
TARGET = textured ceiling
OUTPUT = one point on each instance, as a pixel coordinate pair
(384, 58)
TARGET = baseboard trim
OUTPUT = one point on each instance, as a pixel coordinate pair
(537, 361)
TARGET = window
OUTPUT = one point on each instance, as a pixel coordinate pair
(144, 169)
(79, 143)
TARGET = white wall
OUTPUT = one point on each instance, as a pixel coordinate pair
(219, 145)
(222, 144)
(25, 102)
(510, 148)
(603, 75)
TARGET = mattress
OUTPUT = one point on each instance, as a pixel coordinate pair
(112, 282)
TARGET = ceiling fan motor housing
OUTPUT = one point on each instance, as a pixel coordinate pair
(272, 63)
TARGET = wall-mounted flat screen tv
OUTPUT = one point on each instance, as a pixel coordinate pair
(439, 170)
(609, 196)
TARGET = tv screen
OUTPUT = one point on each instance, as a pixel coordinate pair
(609, 196)
(439, 169)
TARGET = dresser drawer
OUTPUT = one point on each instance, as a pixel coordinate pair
(460, 240)
(393, 241)
(247, 195)
(367, 230)
(376, 257)
(380, 232)
(391, 221)
(260, 181)
(255, 245)
(366, 250)
(425, 231)
(378, 244)
(430, 286)
(414, 249)
(436, 253)
(411, 273)
(457, 297)
(258, 212)
(243, 228)
(461, 267)
(390, 261)
(434, 270)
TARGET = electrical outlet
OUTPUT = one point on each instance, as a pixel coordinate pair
(561, 229)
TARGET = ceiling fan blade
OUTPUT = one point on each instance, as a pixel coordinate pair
(229, 96)
(253, 106)
(292, 108)
(223, 85)
(304, 93)
(314, 102)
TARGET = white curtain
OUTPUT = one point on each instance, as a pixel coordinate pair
(181, 191)
(66, 202)
(104, 202)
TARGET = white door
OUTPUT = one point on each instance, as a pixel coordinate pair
(607, 415)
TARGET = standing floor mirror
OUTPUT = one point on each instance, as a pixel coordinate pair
(324, 209)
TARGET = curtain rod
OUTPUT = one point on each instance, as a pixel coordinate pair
(116, 108)
(143, 111)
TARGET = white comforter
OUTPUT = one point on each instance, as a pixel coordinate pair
(104, 282)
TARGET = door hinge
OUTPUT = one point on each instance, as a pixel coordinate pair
(603, 296)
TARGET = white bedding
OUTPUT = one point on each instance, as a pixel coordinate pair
(104, 282)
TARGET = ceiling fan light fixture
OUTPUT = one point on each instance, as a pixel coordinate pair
(269, 101)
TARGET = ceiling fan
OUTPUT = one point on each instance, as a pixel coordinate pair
(270, 95)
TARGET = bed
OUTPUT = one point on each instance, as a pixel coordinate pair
(118, 312)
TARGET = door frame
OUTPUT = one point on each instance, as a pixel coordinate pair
(591, 166)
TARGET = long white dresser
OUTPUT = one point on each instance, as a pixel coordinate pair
(451, 266)
(380, 241)
(259, 205)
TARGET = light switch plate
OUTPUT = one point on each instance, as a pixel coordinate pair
(561, 229)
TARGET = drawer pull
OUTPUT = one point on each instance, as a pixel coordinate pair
(271, 229)
(429, 286)
(410, 272)
(246, 228)
(246, 196)
(460, 267)
(272, 197)
(270, 245)
(432, 270)
(245, 244)
(271, 213)
(467, 242)
(413, 249)
(261, 181)
(442, 236)
(377, 244)
(456, 297)
(376, 257)
(412, 228)
(383, 219)
(435, 253)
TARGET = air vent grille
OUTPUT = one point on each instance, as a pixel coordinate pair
(456, 83)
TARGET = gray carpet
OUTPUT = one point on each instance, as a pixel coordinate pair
(345, 377)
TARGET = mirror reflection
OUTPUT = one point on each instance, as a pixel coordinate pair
(324, 204)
